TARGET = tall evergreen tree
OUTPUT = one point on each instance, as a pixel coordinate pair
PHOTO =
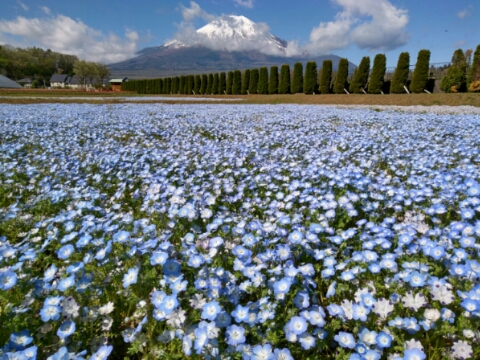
(229, 82)
(400, 76)
(191, 84)
(341, 78)
(326, 79)
(378, 74)
(253, 86)
(297, 81)
(203, 85)
(263, 81)
(273, 80)
(198, 84)
(421, 72)
(456, 78)
(245, 81)
(237, 82)
(168, 88)
(208, 90)
(360, 78)
(284, 83)
(474, 73)
(310, 79)
(222, 83)
(181, 86)
(175, 85)
(216, 81)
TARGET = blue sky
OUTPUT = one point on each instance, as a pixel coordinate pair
(110, 31)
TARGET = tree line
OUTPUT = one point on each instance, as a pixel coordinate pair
(312, 81)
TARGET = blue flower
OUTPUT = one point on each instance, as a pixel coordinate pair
(130, 277)
(8, 279)
(416, 279)
(282, 286)
(19, 340)
(61, 354)
(158, 258)
(297, 325)
(168, 304)
(282, 354)
(295, 237)
(65, 251)
(307, 341)
(171, 267)
(210, 310)
(66, 329)
(102, 353)
(49, 274)
(235, 335)
(50, 313)
(414, 354)
(66, 283)
(241, 313)
(201, 339)
(261, 352)
(345, 340)
(384, 340)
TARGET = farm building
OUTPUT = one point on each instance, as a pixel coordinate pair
(117, 84)
(6, 83)
(58, 80)
(27, 82)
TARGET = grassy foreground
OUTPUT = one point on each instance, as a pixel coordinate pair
(69, 96)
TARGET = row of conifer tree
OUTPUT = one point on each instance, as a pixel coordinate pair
(263, 81)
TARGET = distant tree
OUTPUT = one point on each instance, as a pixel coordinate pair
(203, 85)
(181, 85)
(297, 81)
(341, 78)
(326, 78)
(229, 83)
(421, 72)
(474, 74)
(237, 82)
(101, 73)
(310, 79)
(273, 80)
(176, 85)
(400, 76)
(159, 87)
(168, 87)
(263, 81)
(222, 84)
(83, 70)
(360, 78)
(245, 81)
(198, 84)
(378, 74)
(208, 90)
(456, 78)
(191, 84)
(253, 86)
(284, 84)
(216, 82)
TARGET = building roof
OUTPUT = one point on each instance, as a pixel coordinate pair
(59, 78)
(73, 81)
(118, 80)
(6, 83)
(25, 80)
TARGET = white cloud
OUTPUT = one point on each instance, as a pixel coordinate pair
(465, 12)
(369, 24)
(45, 9)
(195, 11)
(246, 3)
(24, 7)
(65, 35)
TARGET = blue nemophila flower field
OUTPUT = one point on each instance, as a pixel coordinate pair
(238, 232)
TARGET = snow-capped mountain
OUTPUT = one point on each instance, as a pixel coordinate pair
(232, 33)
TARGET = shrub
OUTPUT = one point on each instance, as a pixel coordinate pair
(297, 82)
(208, 89)
(222, 83)
(474, 86)
(263, 81)
(215, 84)
(253, 87)
(400, 76)
(360, 78)
(456, 78)
(273, 81)
(246, 81)
(229, 83)
(326, 77)
(237, 82)
(377, 77)
(474, 74)
(203, 85)
(310, 79)
(181, 86)
(341, 78)
(284, 83)
(198, 84)
(421, 72)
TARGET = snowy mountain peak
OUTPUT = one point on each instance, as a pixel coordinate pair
(232, 33)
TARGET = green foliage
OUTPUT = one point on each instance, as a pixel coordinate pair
(216, 81)
(198, 84)
(284, 84)
(273, 81)
(297, 81)
(474, 73)
(378, 74)
(190, 84)
(203, 85)
(263, 81)
(253, 86)
(360, 78)
(310, 79)
(209, 87)
(400, 76)
(245, 81)
(456, 78)
(229, 83)
(237, 82)
(341, 78)
(168, 87)
(175, 85)
(421, 72)
(181, 85)
(222, 84)
(326, 77)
